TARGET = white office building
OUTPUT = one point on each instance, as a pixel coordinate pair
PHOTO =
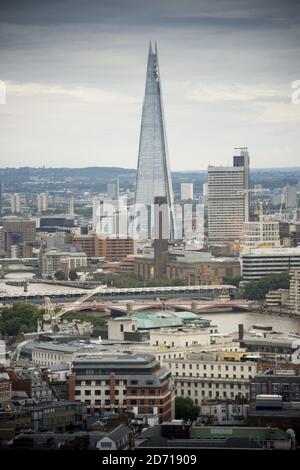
(187, 191)
(262, 261)
(42, 202)
(202, 378)
(228, 199)
(15, 203)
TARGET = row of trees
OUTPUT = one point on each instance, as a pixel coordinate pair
(22, 318)
(256, 290)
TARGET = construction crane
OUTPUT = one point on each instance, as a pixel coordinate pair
(53, 316)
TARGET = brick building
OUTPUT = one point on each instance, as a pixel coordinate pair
(113, 249)
(128, 382)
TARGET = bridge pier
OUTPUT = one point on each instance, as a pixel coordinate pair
(194, 307)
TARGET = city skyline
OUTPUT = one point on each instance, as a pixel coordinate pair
(74, 80)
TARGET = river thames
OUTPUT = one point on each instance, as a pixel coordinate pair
(227, 322)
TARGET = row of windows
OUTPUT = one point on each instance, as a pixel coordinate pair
(210, 385)
(211, 367)
(210, 394)
(220, 376)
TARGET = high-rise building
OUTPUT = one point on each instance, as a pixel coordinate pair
(228, 198)
(264, 232)
(153, 173)
(187, 191)
(295, 292)
(15, 203)
(1, 191)
(113, 189)
(42, 202)
(71, 206)
(17, 231)
(290, 197)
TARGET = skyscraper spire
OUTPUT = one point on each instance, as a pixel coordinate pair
(153, 174)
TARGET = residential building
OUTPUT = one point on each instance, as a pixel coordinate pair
(56, 260)
(277, 298)
(132, 382)
(15, 203)
(187, 191)
(113, 189)
(290, 197)
(30, 381)
(224, 412)
(111, 248)
(42, 202)
(294, 300)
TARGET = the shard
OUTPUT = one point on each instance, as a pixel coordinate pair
(153, 173)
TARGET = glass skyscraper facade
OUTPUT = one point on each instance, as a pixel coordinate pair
(153, 173)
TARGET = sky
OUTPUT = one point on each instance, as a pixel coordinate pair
(74, 75)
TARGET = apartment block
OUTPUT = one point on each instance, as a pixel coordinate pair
(294, 299)
(133, 382)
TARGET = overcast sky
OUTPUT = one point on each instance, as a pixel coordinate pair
(75, 77)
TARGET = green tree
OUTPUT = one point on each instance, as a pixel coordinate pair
(84, 316)
(186, 409)
(256, 290)
(232, 281)
(60, 276)
(73, 276)
(20, 318)
(177, 282)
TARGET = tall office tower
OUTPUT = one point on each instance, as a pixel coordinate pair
(187, 191)
(71, 206)
(228, 198)
(15, 203)
(290, 197)
(42, 202)
(1, 191)
(153, 173)
(113, 189)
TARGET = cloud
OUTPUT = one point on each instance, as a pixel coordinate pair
(219, 92)
(95, 95)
